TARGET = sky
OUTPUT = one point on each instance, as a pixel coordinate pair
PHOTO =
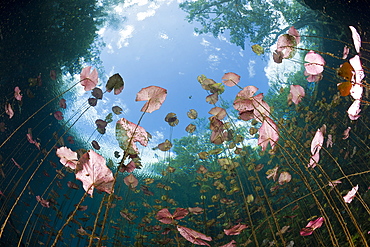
(155, 45)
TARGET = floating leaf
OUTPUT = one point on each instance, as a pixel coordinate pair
(115, 82)
(97, 93)
(95, 144)
(100, 125)
(215, 151)
(165, 146)
(117, 110)
(202, 170)
(190, 128)
(258, 49)
(171, 119)
(92, 101)
(230, 79)
(88, 79)
(203, 155)
(94, 173)
(62, 103)
(212, 99)
(155, 97)
(58, 115)
(127, 133)
(192, 114)
(243, 100)
(218, 112)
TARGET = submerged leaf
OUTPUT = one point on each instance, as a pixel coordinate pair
(166, 217)
(286, 44)
(9, 110)
(344, 88)
(292, 31)
(311, 226)
(284, 177)
(296, 93)
(131, 181)
(268, 134)
(351, 194)
(17, 94)
(235, 230)
(315, 63)
(193, 236)
(67, 157)
(356, 38)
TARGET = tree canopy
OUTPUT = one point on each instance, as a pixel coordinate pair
(259, 21)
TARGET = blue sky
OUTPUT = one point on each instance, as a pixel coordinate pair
(157, 46)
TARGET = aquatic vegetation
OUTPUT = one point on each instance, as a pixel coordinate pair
(253, 173)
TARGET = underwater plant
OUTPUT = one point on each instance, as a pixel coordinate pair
(260, 171)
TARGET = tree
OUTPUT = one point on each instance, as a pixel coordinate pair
(260, 21)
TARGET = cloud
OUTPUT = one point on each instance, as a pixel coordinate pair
(163, 36)
(129, 3)
(213, 58)
(205, 42)
(143, 15)
(251, 70)
(125, 34)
